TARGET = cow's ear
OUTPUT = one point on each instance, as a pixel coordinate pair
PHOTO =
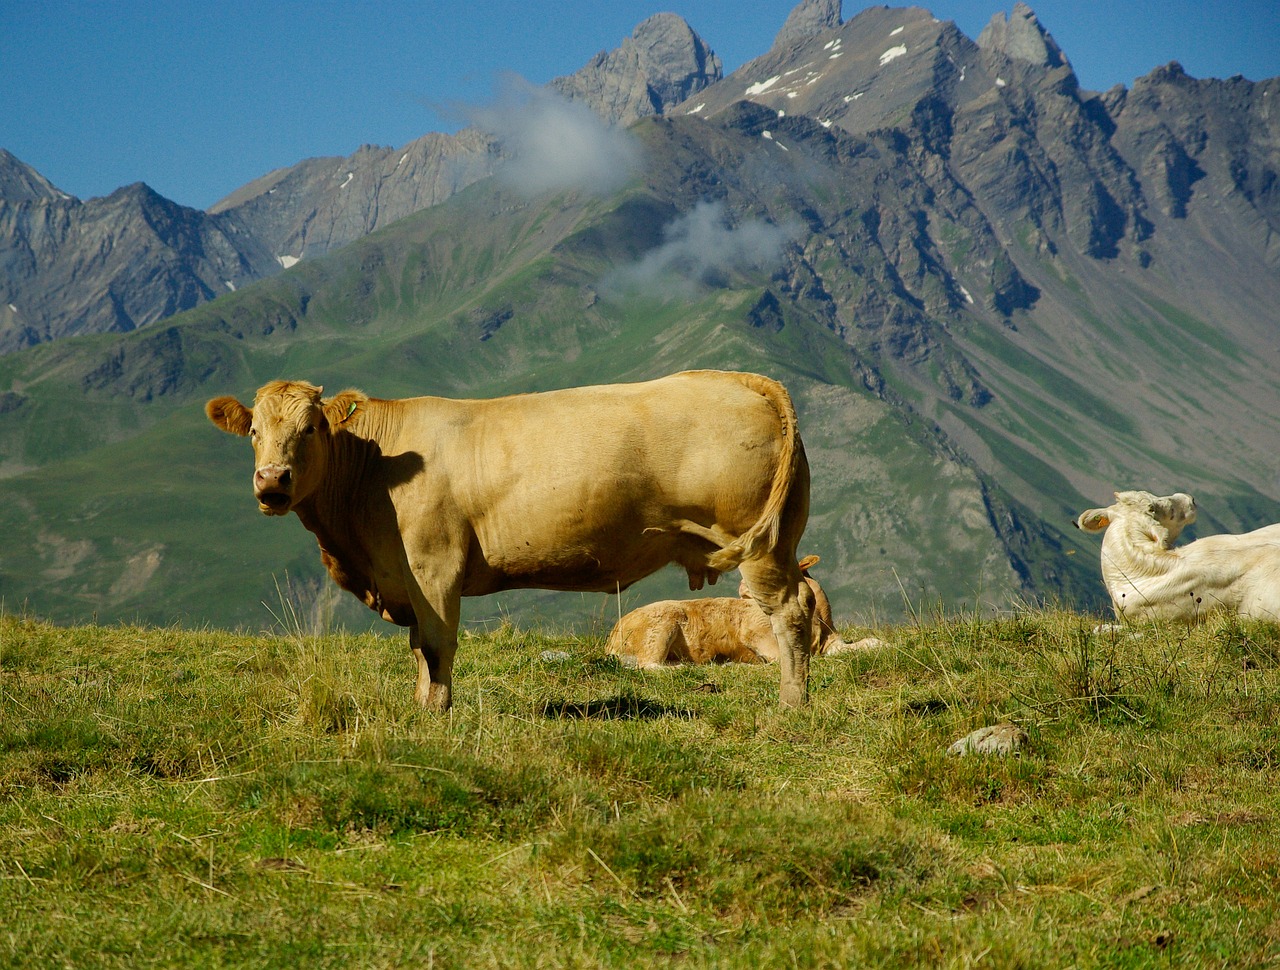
(808, 562)
(342, 407)
(229, 415)
(1094, 520)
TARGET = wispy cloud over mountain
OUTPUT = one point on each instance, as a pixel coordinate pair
(555, 144)
(702, 248)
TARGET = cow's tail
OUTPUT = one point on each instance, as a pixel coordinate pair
(763, 535)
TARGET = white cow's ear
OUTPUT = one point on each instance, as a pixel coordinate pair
(1094, 520)
(229, 415)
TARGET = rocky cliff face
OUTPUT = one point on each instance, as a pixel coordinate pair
(323, 203)
(807, 19)
(1002, 135)
(22, 183)
(1176, 131)
(112, 264)
(661, 64)
(1020, 37)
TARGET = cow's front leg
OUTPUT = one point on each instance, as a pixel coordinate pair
(435, 668)
(436, 596)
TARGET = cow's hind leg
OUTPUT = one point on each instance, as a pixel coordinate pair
(789, 602)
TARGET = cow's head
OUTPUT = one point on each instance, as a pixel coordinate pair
(1160, 518)
(289, 426)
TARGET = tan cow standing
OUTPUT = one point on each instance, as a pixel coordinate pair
(419, 502)
(715, 630)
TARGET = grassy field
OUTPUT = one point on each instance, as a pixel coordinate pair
(197, 799)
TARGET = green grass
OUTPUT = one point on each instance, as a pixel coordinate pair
(177, 798)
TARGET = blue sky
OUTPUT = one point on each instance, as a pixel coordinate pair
(198, 98)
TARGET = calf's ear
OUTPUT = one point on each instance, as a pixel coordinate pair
(229, 415)
(1094, 520)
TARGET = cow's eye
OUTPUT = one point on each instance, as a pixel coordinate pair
(309, 429)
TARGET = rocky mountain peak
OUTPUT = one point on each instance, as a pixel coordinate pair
(1171, 73)
(676, 61)
(20, 182)
(1021, 38)
(808, 18)
(662, 63)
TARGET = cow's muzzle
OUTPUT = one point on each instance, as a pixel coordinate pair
(273, 488)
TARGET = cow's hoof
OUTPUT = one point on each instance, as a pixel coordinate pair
(437, 698)
(793, 697)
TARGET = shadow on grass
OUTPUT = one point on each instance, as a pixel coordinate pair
(618, 708)
(927, 708)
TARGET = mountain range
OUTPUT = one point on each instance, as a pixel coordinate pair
(122, 262)
(995, 296)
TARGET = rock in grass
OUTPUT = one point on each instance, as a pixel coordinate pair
(555, 656)
(999, 739)
(838, 646)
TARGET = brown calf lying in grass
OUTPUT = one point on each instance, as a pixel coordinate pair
(717, 630)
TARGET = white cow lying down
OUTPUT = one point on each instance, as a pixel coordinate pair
(1149, 578)
(718, 630)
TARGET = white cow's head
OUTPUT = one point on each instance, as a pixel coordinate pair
(1160, 518)
(288, 426)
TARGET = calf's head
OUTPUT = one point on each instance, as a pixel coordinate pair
(1159, 518)
(288, 426)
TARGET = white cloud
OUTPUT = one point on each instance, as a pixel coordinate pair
(552, 143)
(702, 248)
